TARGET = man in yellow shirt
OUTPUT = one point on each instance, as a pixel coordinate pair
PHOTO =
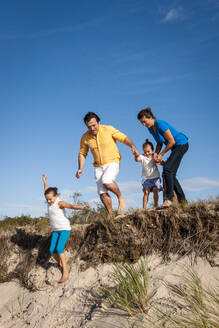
(101, 140)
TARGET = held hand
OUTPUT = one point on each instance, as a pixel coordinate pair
(86, 207)
(134, 151)
(158, 158)
(44, 177)
(155, 156)
(78, 173)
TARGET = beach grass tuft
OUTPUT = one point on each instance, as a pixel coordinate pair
(131, 287)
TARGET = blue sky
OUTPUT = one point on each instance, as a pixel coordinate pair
(60, 59)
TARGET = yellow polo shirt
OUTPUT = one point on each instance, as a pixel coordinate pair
(103, 145)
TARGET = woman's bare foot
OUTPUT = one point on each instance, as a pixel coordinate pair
(121, 205)
(167, 203)
(65, 276)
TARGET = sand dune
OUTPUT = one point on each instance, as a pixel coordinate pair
(31, 296)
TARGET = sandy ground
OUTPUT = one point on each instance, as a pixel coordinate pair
(76, 303)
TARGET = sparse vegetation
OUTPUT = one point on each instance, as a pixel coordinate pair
(192, 229)
(130, 292)
(198, 306)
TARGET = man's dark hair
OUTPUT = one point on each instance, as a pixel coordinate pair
(54, 190)
(89, 116)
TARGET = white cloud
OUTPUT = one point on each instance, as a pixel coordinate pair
(22, 206)
(14, 209)
(66, 193)
(174, 14)
(130, 186)
(90, 189)
(94, 200)
(199, 183)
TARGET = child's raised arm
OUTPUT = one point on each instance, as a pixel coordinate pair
(73, 207)
(45, 182)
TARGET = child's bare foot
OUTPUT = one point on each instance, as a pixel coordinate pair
(121, 205)
(64, 277)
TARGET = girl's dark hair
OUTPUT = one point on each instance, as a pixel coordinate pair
(147, 142)
(51, 189)
(89, 116)
(146, 112)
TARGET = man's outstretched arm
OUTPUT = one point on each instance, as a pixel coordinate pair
(130, 144)
(81, 161)
(82, 156)
(121, 137)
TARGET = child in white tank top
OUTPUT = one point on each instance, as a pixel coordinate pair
(60, 225)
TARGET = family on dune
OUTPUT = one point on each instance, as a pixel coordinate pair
(101, 140)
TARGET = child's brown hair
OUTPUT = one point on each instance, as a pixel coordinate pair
(147, 142)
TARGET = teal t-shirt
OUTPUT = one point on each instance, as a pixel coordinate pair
(162, 127)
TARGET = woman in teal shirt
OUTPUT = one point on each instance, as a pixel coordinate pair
(175, 141)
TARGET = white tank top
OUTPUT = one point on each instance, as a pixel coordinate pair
(57, 217)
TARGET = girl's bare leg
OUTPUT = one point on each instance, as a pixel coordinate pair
(145, 198)
(57, 258)
(156, 196)
(65, 273)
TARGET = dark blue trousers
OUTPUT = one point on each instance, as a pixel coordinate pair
(170, 168)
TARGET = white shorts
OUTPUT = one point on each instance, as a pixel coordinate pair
(105, 174)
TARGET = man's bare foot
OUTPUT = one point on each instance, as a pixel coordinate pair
(121, 205)
(64, 277)
(110, 215)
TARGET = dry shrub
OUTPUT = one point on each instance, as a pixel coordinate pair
(192, 229)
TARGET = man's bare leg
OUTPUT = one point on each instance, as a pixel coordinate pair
(65, 273)
(113, 187)
(107, 202)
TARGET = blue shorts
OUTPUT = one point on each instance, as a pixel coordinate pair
(58, 241)
(151, 184)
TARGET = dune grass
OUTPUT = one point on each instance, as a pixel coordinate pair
(131, 287)
(191, 304)
(197, 305)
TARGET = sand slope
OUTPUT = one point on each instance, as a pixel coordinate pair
(77, 304)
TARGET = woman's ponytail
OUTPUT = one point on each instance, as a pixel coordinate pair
(145, 112)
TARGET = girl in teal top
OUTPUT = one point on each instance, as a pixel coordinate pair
(177, 142)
